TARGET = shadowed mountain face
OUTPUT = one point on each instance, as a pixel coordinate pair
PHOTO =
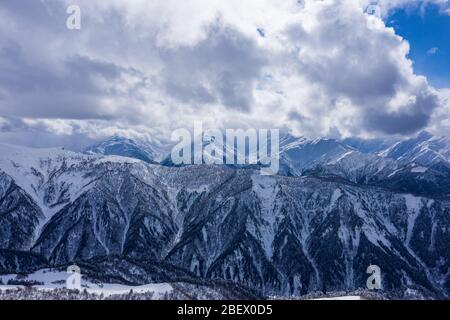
(419, 165)
(19, 215)
(277, 235)
(148, 151)
(425, 149)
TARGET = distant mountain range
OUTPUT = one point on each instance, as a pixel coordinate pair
(336, 208)
(425, 149)
(419, 165)
(148, 151)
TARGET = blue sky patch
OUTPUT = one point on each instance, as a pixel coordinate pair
(428, 32)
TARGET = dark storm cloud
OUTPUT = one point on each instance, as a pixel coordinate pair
(318, 64)
(18, 131)
(363, 65)
(412, 118)
(220, 69)
(11, 124)
(70, 90)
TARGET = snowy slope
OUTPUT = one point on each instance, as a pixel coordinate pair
(425, 149)
(51, 279)
(145, 150)
(278, 235)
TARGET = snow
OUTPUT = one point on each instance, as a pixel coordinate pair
(342, 157)
(413, 205)
(271, 191)
(375, 235)
(419, 169)
(335, 197)
(117, 159)
(290, 142)
(424, 149)
(393, 173)
(36, 169)
(53, 279)
(344, 298)
(154, 149)
(265, 187)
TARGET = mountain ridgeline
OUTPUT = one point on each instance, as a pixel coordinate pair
(336, 208)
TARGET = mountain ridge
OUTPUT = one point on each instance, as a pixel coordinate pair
(279, 235)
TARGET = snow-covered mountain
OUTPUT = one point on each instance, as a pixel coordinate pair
(369, 145)
(126, 220)
(419, 165)
(145, 150)
(296, 154)
(299, 154)
(425, 149)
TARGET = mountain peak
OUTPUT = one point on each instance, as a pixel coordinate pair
(125, 147)
(425, 149)
(424, 135)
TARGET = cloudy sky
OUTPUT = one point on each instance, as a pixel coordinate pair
(146, 67)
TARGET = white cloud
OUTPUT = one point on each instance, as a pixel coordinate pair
(433, 51)
(321, 68)
(440, 123)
